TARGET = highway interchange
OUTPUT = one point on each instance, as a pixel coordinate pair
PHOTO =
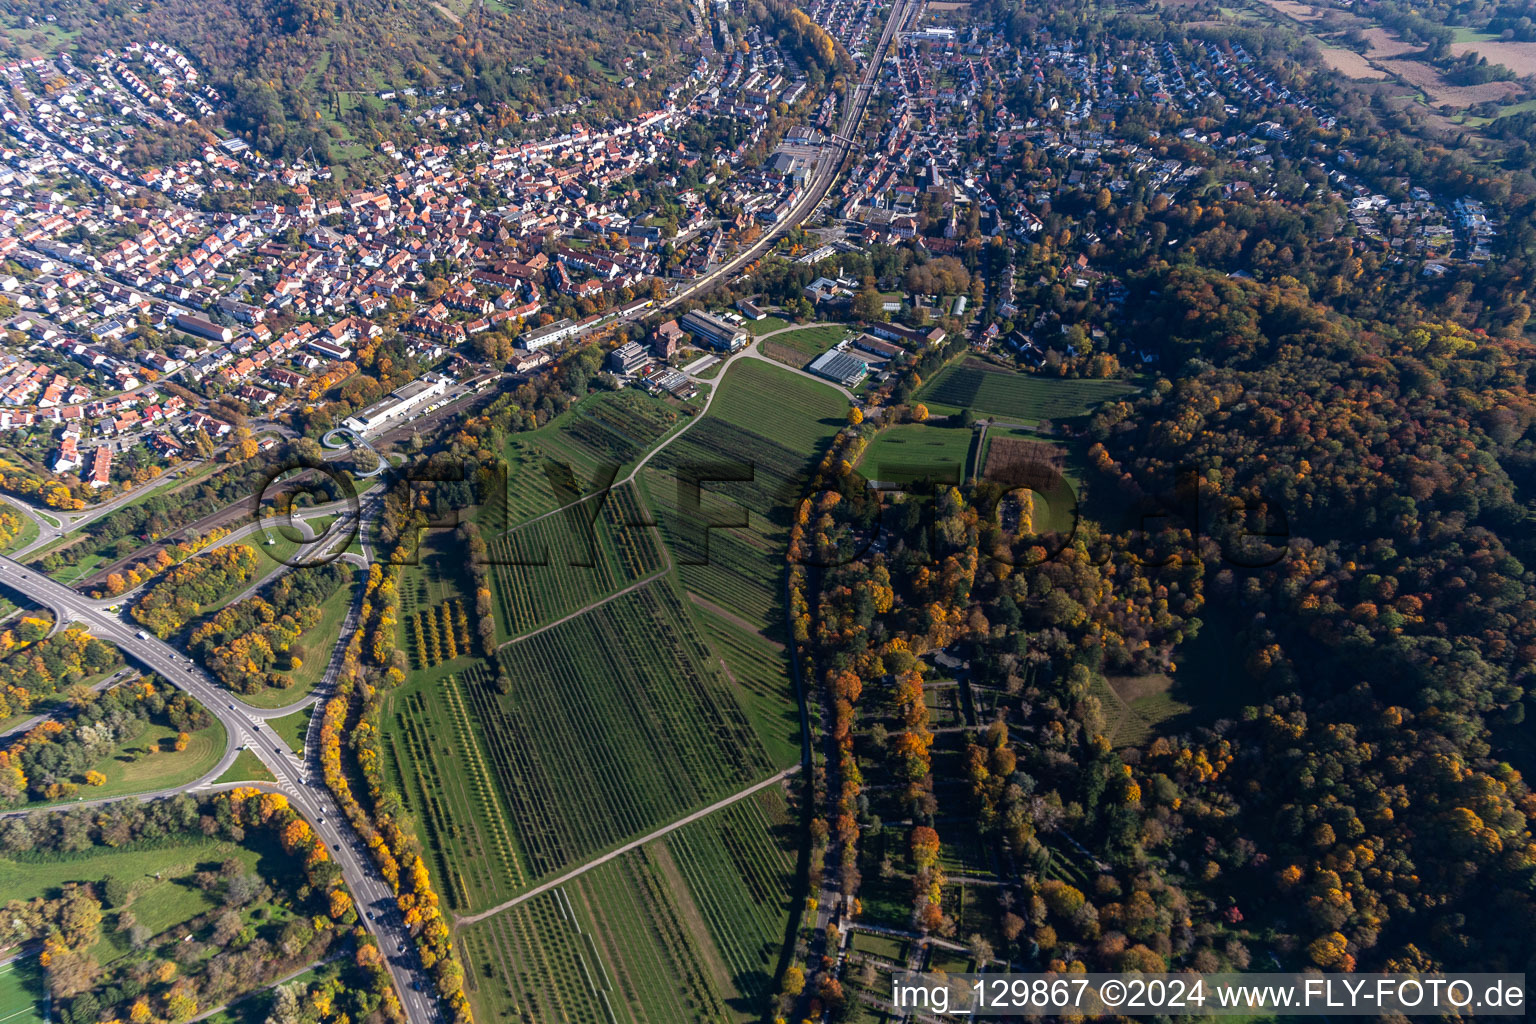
(298, 777)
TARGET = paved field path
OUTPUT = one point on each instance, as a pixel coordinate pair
(749, 352)
(627, 847)
(579, 612)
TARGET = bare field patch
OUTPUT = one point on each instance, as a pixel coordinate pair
(1134, 688)
(1385, 44)
(1293, 9)
(1019, 462)
(1422, 76)
(1350, 63)
(1135, 707)
(1518, 57)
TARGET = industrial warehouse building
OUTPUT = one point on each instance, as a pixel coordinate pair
(714, 332)
(400, 403)
(841, 367)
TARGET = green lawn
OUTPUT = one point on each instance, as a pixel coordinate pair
(993, 391)
(70, 574)
(158, 873)
(28, 534)
(21, 987)
(322, 640)
(291, 728)
(758, 328)
(892, 949)
(796, 348)
(151, 762)
(910, 450)
(247, 768)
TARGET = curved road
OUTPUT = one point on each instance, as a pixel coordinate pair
(298, 782)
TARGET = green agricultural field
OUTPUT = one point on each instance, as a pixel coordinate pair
(686, 928)
(438, 757)
(615, 723)
(992, 391)
(739, 866)
(767, 429)
(803, 414)
(760, 669)
(439, 582)
(540, 960)
(1136, 706)
(608, 428)
(908, 450)
(611, 427)
(627, 693)
(561, 563)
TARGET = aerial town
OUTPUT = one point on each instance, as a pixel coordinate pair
(760, 511)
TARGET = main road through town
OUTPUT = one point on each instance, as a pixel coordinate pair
(828, 166)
